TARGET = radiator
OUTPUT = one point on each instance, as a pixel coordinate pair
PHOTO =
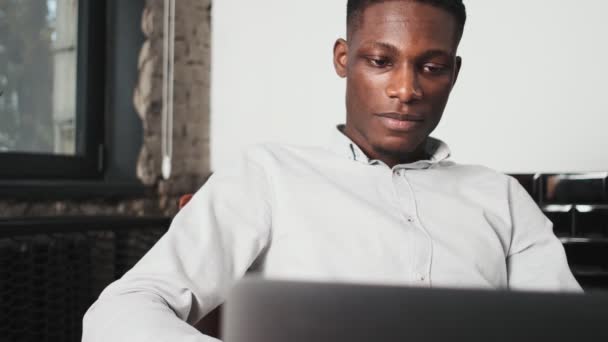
(52, 270)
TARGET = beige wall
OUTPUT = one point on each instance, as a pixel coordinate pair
(531, 96)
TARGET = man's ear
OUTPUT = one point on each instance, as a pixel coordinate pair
(457, 69)
(340, 57)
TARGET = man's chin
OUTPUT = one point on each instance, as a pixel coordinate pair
(399, 146)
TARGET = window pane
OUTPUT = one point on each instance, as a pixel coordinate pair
(38, 76)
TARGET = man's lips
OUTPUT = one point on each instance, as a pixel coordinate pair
(400, 121)
(402, 116)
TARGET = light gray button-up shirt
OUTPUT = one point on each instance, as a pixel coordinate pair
(331, 214)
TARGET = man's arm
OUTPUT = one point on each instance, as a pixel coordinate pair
(536, 259)
(211, 242)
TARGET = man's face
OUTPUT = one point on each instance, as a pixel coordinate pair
(400, 64)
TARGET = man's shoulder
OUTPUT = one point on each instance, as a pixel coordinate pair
(267, 160)
(477, 172)
(273, 152)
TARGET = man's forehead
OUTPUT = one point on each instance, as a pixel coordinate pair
(405, 13)
(406, 19)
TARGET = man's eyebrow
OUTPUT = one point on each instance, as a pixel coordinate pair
(394, 50)
(436, 53)
(382, 45)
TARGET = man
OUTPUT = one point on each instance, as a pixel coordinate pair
(380, 204)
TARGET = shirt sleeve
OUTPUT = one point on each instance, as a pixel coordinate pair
(211, 243)
(536, 260)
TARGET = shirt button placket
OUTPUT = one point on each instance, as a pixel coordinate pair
(407, 206)
(422, 249)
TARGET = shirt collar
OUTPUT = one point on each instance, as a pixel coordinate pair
(342, 145)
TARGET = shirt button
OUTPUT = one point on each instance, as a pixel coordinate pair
(410, 220)
(419, 277)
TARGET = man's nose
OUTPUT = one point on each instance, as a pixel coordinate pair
(404, 85)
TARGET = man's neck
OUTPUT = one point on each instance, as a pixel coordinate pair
(390, 158)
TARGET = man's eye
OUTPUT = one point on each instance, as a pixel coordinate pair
(379, 62)
(434, 68)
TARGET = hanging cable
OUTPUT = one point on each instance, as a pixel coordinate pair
(167, 108)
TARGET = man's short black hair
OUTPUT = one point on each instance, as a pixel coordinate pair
(354, 8)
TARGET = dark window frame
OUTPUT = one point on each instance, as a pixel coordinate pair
(87, 163)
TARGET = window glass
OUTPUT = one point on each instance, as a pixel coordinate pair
(38, 57)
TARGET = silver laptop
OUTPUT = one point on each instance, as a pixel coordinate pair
(260, 310)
